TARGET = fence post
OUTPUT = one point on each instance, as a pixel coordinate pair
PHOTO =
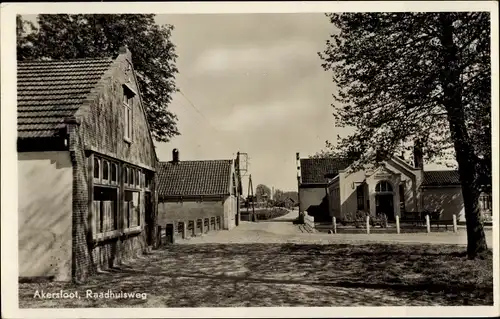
(398, 230)
(334, 224)
(368, 224)
(454, 223)
(428, 223)
(184, 230)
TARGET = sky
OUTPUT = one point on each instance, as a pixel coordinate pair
(258, 84)
(252, 83)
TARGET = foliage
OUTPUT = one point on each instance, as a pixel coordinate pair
(284, 199)
(358, 219)
(387, 68)
(68, 36)
(262, 192)
(271, 213)
(416, 78)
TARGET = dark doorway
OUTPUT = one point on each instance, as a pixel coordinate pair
(149, 221)
(385, 205)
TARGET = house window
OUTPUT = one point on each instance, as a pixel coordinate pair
(127, 109)
(383, 186)
(485, 202)
(114, 173)
(105, 210)
(131, 177)
(105, 171)
(97, 168)
(402, 198)
(360, 194)
(138, 178)
(125, 175)
(132, 211)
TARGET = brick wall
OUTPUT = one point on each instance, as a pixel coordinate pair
(101, 130)
(82, 265)
(103, 118)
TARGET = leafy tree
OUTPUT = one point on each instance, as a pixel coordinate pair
(23, 29)
(422, 77)
(262, 192)
(278, 195)
(68, 36)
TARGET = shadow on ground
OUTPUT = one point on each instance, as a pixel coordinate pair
(260, 275)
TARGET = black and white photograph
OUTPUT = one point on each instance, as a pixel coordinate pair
(331, 155)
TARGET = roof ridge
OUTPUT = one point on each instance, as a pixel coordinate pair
(442, 170)
(105, 58)
(204, 160)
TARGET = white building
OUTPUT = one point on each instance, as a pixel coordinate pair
(327, 187)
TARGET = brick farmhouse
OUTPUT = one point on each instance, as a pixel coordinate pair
(192, 190)
(86, 167)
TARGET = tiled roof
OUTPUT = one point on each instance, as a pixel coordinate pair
(313, 170)
(192, 178)
(48, 92)
(441, 178)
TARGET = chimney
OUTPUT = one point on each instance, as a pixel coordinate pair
(175, 156)
(299, 177)
(418, 155)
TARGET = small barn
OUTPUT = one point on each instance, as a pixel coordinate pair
(197, 189)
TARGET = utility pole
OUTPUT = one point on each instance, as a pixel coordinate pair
(238, 187)
(250, 196)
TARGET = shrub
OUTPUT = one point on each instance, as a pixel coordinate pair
(379, 220)
(271, 213)
(358, 219)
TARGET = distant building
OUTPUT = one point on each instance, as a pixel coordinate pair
(189, 190)
(327, 188)
(86, 166)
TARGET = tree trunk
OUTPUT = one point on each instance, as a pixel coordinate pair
(464, 153)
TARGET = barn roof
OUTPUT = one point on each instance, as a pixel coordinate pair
(313, 170)
(50, 92)
(194, 178)
(441, 178)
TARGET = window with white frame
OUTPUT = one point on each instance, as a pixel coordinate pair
(383, 186)
(105, 172)
(131, 176)
(114, 173)
(125, 175)
(128, 106)
(97, 169)
(485, 202)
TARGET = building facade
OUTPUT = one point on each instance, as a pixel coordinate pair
(327, 188)
(86, 167)
(192, 190)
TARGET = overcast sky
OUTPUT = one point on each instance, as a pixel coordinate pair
(256, 86)
(258, 82)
